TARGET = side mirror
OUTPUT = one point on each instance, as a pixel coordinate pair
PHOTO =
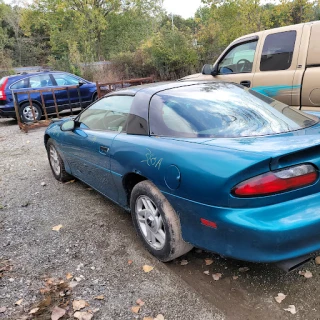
(81, 83)
(215, 70)
(68, 125)
(207, 69)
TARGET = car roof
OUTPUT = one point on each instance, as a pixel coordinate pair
(153, 88)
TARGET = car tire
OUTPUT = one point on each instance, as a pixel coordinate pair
(56, 163)
(156, 222)
(26, 112)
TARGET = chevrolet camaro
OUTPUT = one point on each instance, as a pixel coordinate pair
(206, 164)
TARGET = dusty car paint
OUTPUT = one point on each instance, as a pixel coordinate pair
(197, 175)
(295, 85)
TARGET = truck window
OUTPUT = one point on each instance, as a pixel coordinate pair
(277, 51)
(239, 59)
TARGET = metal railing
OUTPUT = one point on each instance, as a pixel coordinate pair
(42, 123)
(104, 88)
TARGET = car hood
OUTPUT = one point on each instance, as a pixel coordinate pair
(198, 76)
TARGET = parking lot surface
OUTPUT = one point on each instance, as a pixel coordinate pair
(54, 236)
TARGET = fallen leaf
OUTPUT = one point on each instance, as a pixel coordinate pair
(44, 290)
(71, 181)
(147, 318)
(57, 313)
(147, 268)
(235, 277)
(3, 309)
(206, 272)
(57, 228)
(99, 297)
(73, 284)
(135, 309)
(159, 317)
(291, 309)
(184, 262)
(244, 269)
(79, 304)
(208, 262)
(34, 310)
(140, 302)
(130, 262)
(307, 274)
(69, 276)
(280, 297)
(317, 260)
(216, 276)
(18, 303)
(83, 315)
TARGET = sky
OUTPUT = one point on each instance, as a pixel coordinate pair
(184, 8)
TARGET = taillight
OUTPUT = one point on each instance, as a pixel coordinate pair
(2, 90)
(277, 181)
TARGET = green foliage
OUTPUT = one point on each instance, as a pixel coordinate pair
(136, 35)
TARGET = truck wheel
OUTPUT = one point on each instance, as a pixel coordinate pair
(156, 222)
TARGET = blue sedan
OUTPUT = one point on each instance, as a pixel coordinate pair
(212, 165)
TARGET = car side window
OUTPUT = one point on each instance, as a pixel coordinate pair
(277, 51)
(22, 84)
(239, 59)
(108, 113)
(63, 79)
(40, 81)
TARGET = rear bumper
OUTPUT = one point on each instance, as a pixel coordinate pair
(7, 112)
(267, 234)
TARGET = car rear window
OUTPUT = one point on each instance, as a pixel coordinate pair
(222, 110)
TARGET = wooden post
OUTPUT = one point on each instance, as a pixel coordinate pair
(98, 89)
(44, 106)
(55, 103)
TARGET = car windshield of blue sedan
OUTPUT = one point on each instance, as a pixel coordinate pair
(222, 110)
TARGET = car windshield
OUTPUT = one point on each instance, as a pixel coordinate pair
(222, 110)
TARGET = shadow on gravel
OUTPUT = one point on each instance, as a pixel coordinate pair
(8, 122)
(250, 294)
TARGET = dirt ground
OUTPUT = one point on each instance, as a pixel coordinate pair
(98, 251)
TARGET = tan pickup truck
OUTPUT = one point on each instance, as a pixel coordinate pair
(282, 63)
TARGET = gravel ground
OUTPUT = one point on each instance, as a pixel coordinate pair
(96, 245)
(99, 251)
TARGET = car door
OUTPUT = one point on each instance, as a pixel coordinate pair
(238, 63)
(277, 65)
(41, 81)
(62, 96)
(88, 146)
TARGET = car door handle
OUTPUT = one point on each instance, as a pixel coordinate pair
(104, 149)
(246, 83)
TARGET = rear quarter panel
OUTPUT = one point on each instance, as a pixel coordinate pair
(207, 173)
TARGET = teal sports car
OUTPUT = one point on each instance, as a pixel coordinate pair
(206, 164)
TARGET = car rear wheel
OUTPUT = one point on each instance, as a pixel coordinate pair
(56, 163)
(156, 222)
(27, 114)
